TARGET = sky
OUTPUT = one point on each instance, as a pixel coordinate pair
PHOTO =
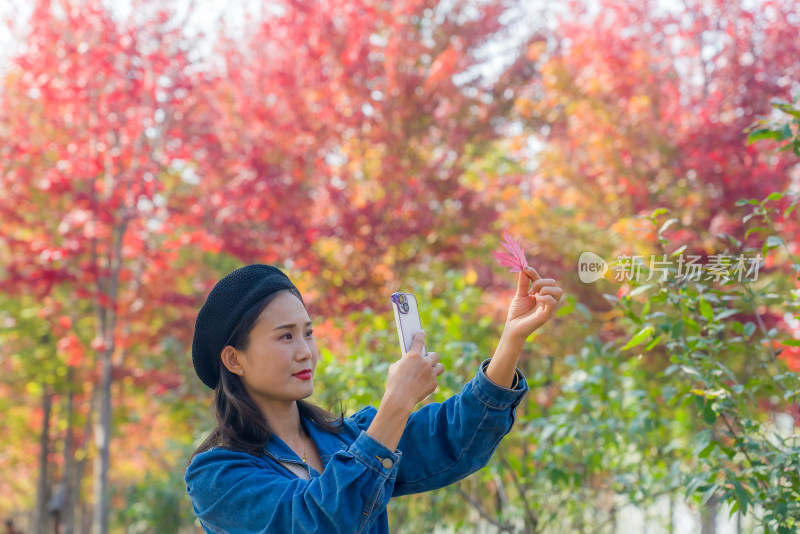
(207, 14)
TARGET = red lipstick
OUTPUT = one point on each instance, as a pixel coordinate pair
(303, 375)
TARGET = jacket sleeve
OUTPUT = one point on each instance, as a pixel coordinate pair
(236, 493)
(445, 442)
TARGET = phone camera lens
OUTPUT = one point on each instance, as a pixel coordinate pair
(405, 307)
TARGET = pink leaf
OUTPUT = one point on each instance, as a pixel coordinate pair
(516, 260)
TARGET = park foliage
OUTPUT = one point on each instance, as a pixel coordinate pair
(368, 147)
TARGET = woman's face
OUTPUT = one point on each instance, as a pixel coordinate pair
(281, 344)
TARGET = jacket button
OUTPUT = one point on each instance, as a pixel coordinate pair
(387, 463)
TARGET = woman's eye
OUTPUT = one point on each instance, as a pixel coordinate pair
(310, 333)
(286, 334)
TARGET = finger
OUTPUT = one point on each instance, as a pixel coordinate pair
(547, 300)
(438, 369)
(532, 273)
(417, 343)
(523, 282)
(539, 284)
(552, 290)
(433, 358)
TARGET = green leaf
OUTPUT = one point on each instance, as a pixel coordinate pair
(640, 289)
(788, 109)
(741, 495)
(639, 337)
(556, 475)
(773, 196)
(732, 240)
(677, 330)
(691, 325)
(567, 308)
(547, 431)
(773, 241)
(725, 314)
(705, 452)
(658, 211)
(733, 509)
(695, 482)
(690, 370)
(790, 209)
(753, 230)
(652, 344)
(749, 328)
(710, 489)
(791, 342)
(763, 133)
(706, 310)
(666, 225)
(678, 250)
(700, 402)
(709, 415)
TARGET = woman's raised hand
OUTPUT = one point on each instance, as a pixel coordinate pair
(532, 306)
(413, 377)
(410, 380)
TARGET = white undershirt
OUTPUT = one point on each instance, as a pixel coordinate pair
(298, 470)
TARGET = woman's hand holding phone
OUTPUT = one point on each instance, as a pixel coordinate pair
(410, 380)
(413, 377)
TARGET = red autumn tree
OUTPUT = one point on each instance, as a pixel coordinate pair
(343, 135)
(94, 116)
(658, 118)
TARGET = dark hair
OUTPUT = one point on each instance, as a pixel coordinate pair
(240, 423)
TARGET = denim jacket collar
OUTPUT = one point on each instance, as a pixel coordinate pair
(327, 444)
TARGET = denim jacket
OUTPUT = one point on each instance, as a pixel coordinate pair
(238, 493)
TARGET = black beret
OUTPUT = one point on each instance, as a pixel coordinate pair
(228, 301)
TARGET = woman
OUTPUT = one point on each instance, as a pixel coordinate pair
(275, 463)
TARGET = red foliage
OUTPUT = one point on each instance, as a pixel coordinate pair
(352, 156)
(94, 117)
(658, 118)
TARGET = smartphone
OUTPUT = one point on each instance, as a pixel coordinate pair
(406, 316)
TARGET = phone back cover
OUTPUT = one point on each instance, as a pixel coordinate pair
(408, 324)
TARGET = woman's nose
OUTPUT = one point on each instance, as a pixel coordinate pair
(304, 350)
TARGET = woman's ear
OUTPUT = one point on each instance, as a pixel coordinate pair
(230, 359)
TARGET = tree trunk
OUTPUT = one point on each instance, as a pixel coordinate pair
(107, 318)
(102, 434)
(40, 519)
(578, 518)
(67, 477)
(81, 515)
(709, 516)
(613, 518)
(671, 514)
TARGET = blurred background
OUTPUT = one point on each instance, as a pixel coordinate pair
(148, 148)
